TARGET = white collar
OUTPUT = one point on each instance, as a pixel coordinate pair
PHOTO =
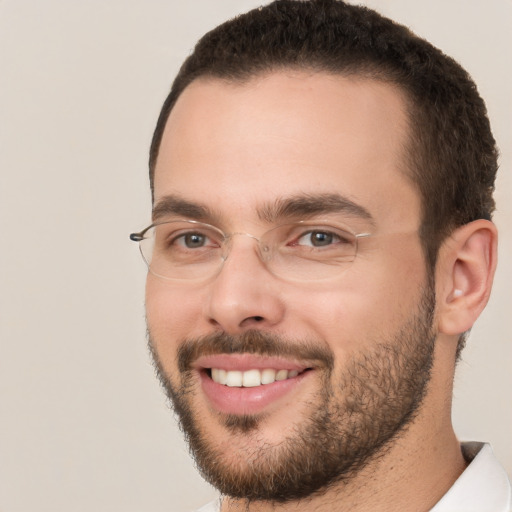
(483, 487)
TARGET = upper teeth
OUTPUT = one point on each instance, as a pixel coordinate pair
(250, 378)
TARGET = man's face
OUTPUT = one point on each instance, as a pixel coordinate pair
(357, 347)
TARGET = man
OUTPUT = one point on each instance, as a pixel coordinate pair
(321, 243)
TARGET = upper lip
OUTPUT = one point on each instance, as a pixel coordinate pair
(244, 362)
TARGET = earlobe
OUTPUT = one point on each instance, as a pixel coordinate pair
(466, 265)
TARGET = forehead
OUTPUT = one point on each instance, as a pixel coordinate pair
(237, 146)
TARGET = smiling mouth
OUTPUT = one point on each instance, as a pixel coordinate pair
(248, 383)
(251, 378)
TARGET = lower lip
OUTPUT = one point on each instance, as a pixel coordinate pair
(248, 400)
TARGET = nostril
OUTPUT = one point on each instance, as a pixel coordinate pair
(258, 318)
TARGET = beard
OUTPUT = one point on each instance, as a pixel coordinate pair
(354, 417)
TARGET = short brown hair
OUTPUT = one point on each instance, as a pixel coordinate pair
(452, 155)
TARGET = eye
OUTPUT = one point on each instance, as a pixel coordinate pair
(184, 242)
(193, 240)
(318, 238)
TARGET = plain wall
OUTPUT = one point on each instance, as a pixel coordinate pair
(83, 423)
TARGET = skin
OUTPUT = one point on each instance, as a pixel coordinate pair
(235, 148)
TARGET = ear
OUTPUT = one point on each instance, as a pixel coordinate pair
(464, 275)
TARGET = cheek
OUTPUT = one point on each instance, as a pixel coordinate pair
(367, 305)
(172, 313)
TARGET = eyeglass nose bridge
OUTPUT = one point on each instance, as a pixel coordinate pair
(263, 249)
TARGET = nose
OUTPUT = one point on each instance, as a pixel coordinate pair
(244, 295)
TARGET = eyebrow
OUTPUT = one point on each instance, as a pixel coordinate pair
(294, 207)
(174, 205)
(310, 205)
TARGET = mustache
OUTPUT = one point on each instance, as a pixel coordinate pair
(252, 342)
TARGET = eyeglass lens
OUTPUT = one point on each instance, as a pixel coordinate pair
(299, 251)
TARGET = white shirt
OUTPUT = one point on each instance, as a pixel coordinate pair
(483, 487)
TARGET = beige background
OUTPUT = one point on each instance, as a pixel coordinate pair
(83, 423)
